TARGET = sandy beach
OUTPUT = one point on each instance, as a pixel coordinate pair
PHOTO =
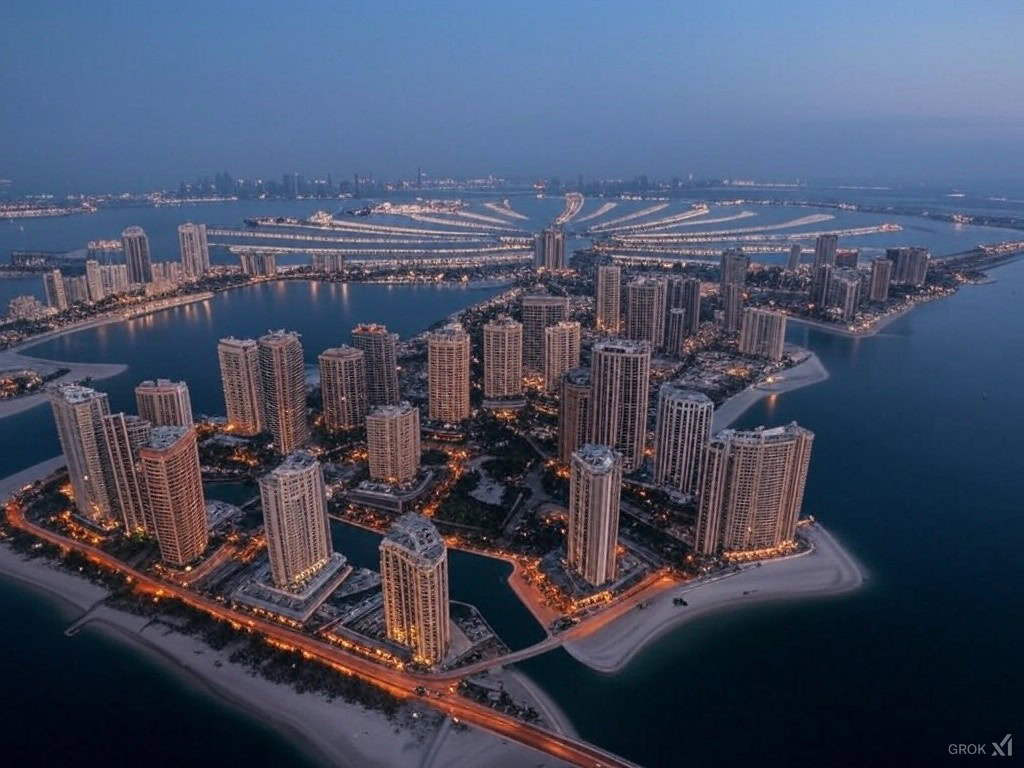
(824, 571)
(13, 359)
(803, 374)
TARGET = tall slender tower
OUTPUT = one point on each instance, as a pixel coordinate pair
(94, 281)
(295, 520)
(595, 485)
(381, 353)
(414, 580)
(645, 310)
(795, 252)
(53, 286)
(240, 380)
(825, 250)
(448, 374)
(78, 413)
(174, 489)
(283, 384)
(881, 277)
(125, 437)
(732, 306)
(620, 379)
(573, 413)
(549, 249)
(343, 386)
(751, 489)
(681, 432)
(561, 352)
(763, 333)
(503, 358)
(608, 302)
(684, 293)
(136, 255)
(734, 266)
(393, 443)
(539, 311)
(195, 252)
(164, 403)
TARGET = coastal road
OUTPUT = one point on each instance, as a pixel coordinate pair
(394, 681)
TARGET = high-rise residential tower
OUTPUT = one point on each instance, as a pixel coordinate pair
(680, 434)
(795, 252)
(825, 250)
(645, 310)
(573, 413)
(194, 250)
(414, 580)
(240, 380)
(881, 277)
(283, 386)
(751, 489)
(539, 312)
(844, 292)
(125, 436)
(164, 403)
(295, 520)
(561, 352)
(343, 387)
(448, 374)
(608, 301)
(734, 266)
(549, 249)
(381, 354)
(595, 485)
(763, 333)
(503, 358)
(393, 442)
(136, 255)
(53, 286)
(174, 491)
(732, 307)
(620, 372)
(910, 265)
(94, 281)
(78, 413)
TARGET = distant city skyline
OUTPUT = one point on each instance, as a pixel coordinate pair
(917, 92)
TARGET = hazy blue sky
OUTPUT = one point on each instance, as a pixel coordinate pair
(105, 95)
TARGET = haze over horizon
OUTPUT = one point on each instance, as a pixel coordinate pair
(115, 96)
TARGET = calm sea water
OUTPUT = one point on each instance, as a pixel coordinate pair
(916, 468)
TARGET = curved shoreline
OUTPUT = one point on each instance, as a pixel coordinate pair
(828, 570)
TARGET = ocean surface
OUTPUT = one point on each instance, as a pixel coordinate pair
(916, 469)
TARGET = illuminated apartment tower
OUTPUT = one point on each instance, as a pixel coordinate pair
(295, 520)
(751, 489)
(732, 307)
(343, 387)
(94, 281)
(910, 265)
(240, 380)
(680, 435)
(414, 580)
(645, 311)
(164, 403)
(78, 413)
(448, 374)
(561, 352)
(381, 354)
(684, 293)
(195, 252)
(539, 312)
(763, 333)
(821, 280)
(573, 413)
(549, 249)
(844, 292)
(283, 386)
(881, 277)
(825, 250)
(620, 373)
(124, 437)
(734, 266)
(795, 252)
(136, 256)
(595, 484)
(393, 443)
(53, 286)
(503, 358)
(608, 301)
(174, 490)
